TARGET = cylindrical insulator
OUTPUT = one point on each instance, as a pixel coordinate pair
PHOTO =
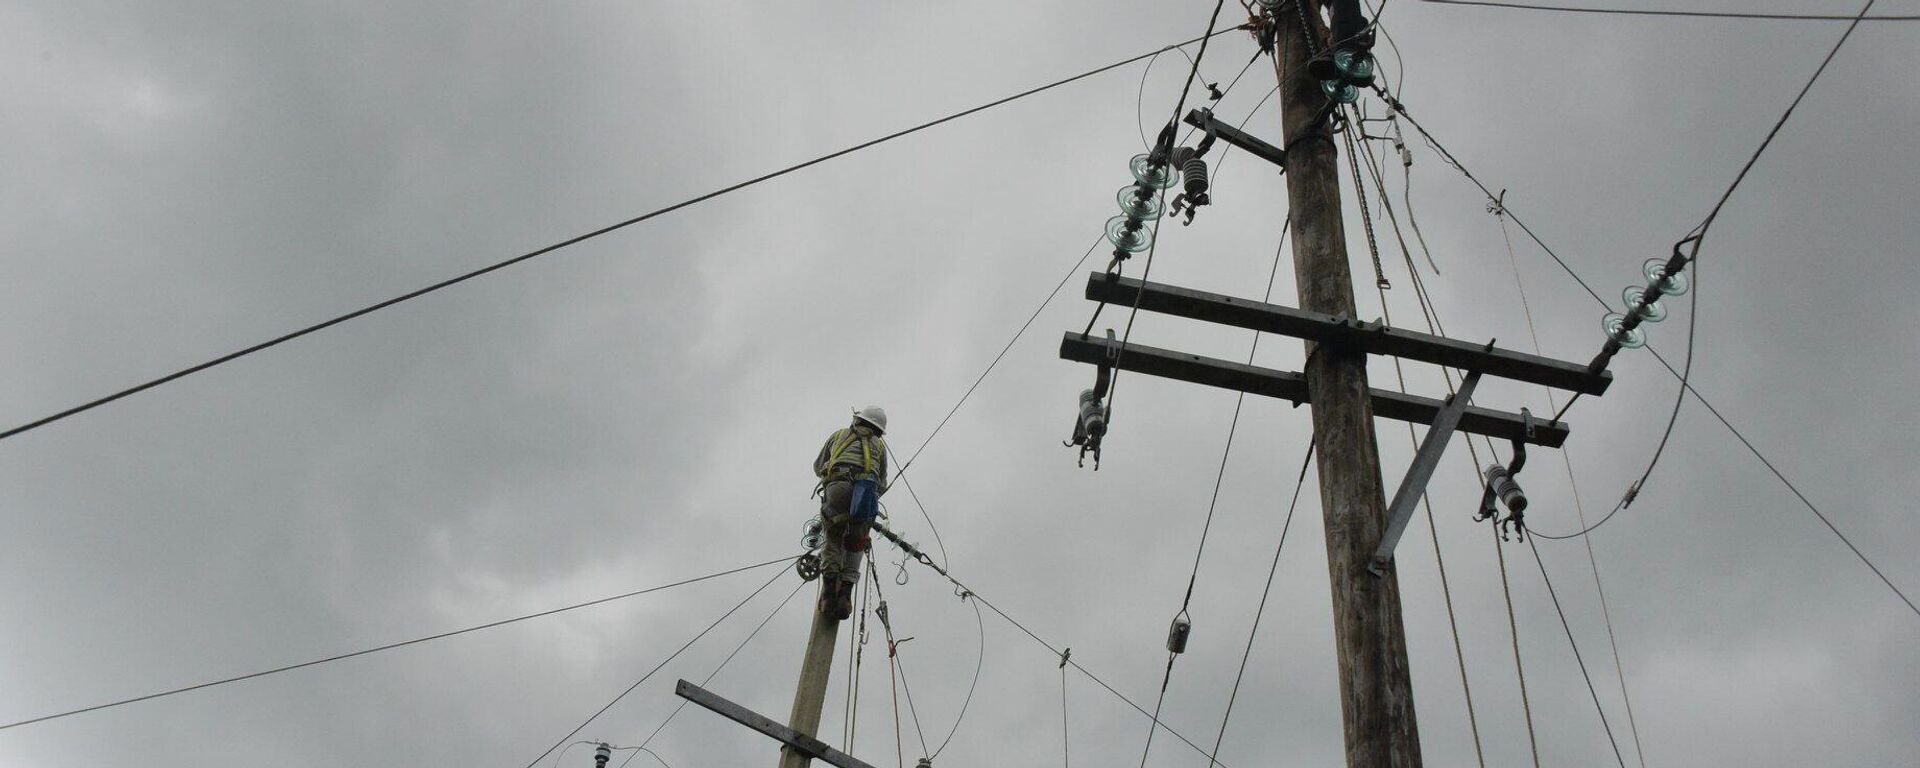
(1504, 487)
(1093, 418)
(601, 754)
(1177, 634)
(1195, 174)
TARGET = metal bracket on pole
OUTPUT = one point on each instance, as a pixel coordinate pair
(1424, 460)
(796, 740)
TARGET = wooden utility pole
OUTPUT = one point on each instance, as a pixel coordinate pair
(810, 695)
(1376, 692)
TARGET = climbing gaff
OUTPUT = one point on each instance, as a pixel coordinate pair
(1090, 418)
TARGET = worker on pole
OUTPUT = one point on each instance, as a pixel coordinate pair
(852, 467)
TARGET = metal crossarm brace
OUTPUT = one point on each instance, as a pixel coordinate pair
(808, 745)
(1327, 329)
(1421, 470)
(1292, 387)
(1205, 121)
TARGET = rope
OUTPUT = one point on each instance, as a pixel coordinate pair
(1213, 758)
(897, 667)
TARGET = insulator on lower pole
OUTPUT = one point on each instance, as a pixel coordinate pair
(1177, 634)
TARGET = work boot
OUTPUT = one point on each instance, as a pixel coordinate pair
(837, 603)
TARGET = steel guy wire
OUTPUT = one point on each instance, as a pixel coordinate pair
(1672, 13)
(387, 647)
(657, 667)
(716, 671)
(278, 340)
(1687, 385)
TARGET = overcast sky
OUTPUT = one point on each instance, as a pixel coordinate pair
(184, 179)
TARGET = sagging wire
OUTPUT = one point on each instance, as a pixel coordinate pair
(921, 557)
(715, 673)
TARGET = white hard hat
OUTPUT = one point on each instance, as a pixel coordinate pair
(874, 415)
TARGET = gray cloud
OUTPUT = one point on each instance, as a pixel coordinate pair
(635, 410)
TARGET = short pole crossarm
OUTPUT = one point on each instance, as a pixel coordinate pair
(795, 740)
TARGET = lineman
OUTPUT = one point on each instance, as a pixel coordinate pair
(852, 467)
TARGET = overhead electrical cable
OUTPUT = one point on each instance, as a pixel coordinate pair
(1579, 506)
(1447, 156)
(1154, 242)
(657, 667)
(716, 671)
(1021, 331)
(1671, 12)
(1035, 315)
(278, 340)
(1054, 650)
(387, 647)
(1699, 238)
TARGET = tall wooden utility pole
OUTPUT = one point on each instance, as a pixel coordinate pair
(1376, 691)
(810, 695)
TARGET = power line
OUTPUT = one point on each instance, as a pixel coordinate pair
(970, 592)
(1576, 653)
(657, 667)
(278, 340)
(716, 671)
(387, 647)
(1667, 12)
(1699, 237)
(1579, 506)
(1071, 271)
(1687, 385)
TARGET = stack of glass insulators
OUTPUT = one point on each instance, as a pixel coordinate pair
(1139, 204)
(1633, 337)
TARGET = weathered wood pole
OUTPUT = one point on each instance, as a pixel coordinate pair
(1376, 693)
